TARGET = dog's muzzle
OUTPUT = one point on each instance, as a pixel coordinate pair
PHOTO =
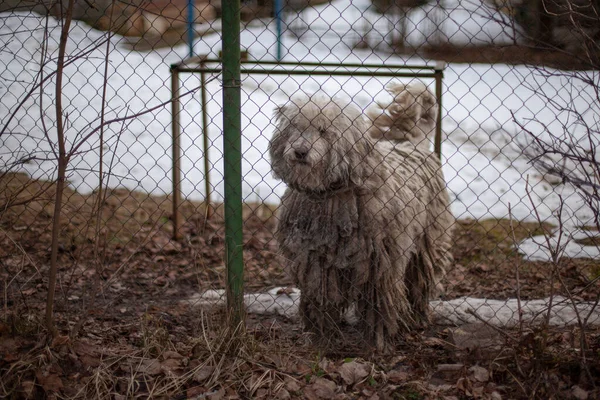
(298, 155)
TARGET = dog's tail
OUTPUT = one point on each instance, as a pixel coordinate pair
(410, 115)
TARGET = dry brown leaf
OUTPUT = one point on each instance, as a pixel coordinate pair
(368, 393)
(480, 374)
(262, 394)
(89, 361)
(11, 357)
(165, 245)
(396, 376)
(465, 385)
(495, 396)
(9, 349)
(353, 372)
(59, 341)
(325, 364)
(283, 394)
(579, 393)
(483, 267)
(171, 354)
(203, 373)
(150, 367)
(372, 396)
(433, 342)
(292, 385)
(477, 392)
(323, 388)
(309, 393)
(449, 372)
(50, 382)
(84, 347)
(300, 368)
(170, 365)
(195, 391)
(28, 389)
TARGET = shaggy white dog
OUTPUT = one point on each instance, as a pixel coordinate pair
(364, 224)
(409, 115)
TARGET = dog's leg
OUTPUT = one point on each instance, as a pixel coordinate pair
(419, 281)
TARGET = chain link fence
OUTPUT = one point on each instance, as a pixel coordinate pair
(116, 236)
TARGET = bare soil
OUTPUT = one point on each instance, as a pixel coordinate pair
(508, 54)
(125, 332)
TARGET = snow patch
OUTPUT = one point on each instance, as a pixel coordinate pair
(464, 310)
(505, 313)
(566, 244)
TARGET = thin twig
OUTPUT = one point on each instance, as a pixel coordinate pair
(517, 265)
(84, 139)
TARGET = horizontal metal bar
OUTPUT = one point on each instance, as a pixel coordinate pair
(183, 65)
(319, 72)
(340, 65)
(191, 60)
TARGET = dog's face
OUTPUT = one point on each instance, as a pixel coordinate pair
(317, 144)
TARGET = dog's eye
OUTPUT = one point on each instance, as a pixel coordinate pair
(322, 130)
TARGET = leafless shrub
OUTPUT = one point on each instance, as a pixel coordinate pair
(564, 150)
(61, 149)
(570, 27)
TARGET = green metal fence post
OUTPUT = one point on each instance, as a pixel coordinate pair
(232, 144)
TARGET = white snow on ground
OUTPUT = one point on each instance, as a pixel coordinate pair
(542, 248)
(500, 313)
(505, 313)
(485, 172)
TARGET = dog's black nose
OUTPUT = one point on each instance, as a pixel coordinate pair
(300, 154)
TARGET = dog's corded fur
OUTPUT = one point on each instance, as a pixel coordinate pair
(364, 224)
(409, 115)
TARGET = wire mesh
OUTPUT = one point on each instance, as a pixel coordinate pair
(141, 240)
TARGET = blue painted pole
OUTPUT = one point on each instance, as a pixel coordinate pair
(278, 16)
(190, 26)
